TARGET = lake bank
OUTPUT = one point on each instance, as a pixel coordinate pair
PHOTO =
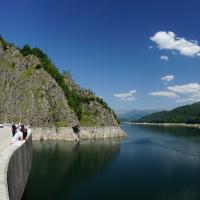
(66, 133)
(165, 124)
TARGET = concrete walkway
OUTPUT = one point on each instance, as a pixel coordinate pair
(5, 138)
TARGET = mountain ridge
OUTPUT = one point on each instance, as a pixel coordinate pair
(135, 114)
(189, 114)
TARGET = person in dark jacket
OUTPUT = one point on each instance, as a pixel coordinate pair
(24, 131)
(76, 129)
(14, 129)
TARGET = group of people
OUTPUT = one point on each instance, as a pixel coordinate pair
(20, 132)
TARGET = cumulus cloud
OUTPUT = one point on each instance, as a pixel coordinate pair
(165, 94)
(126, 96)
(190, 88)
(165, 58)
(169, 41)
(182, 93)
(189, 99)
(167, 78)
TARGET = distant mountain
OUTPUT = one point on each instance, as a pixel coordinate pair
(134, 114)
(121, 112)
(185, 114)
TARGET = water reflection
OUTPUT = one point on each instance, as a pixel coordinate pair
(57, 166)
(176, 131)
(154, 163)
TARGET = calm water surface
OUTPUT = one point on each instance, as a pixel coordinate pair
(153, 163)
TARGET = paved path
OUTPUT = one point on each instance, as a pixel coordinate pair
(5, 138)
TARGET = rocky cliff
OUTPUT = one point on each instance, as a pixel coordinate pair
(30, 94)
(93, 112)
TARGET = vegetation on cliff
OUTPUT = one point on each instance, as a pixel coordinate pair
(75, 99)
(189, 114)
(81, 101)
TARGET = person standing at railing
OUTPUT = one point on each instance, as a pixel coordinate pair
(14, 129)
(17, 137)
(24, 130)
(28, 130)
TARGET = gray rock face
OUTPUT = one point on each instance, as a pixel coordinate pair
(1, 49)
(101, 132)
(31, 95)
(67, 133)
(93, 113)
(97, 115)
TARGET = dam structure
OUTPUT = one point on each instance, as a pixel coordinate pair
(15, 165)
(16, 159)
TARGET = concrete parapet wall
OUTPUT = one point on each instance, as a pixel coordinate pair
(15, 166)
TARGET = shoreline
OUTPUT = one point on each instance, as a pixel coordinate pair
(66, 133)
(164, 124)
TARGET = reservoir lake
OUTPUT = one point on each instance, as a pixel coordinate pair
(152, 163)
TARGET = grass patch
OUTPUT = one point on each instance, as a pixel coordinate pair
(87, 119)
(27, 73)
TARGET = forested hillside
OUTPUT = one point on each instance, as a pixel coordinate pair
(185, 114)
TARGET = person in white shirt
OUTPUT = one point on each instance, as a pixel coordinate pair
(28, 128)
(17, 137)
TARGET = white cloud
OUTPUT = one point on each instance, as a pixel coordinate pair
(189, 92)
(167, 78)
(192, 97)
(191, 88)
(127, 96)
(165, 58)
(182, 93)
(182, 100)
(169, 41)
(165, 94)
(132, 91)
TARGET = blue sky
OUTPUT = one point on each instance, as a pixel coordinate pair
(141, 54)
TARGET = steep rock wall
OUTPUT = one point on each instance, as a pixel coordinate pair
(29, 94)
